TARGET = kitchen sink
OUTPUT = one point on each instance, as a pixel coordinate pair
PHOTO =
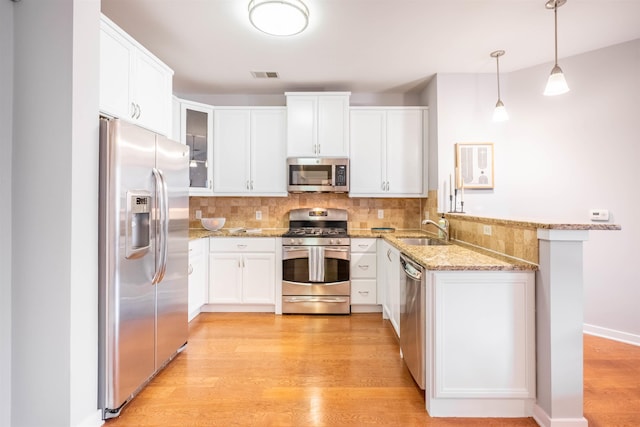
(422, 241)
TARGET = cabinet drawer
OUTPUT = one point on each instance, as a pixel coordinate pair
(242, 244)
(363, 291)
(363, 266)
(363, 245)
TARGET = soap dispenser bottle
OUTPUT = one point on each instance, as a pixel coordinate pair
(442, 222)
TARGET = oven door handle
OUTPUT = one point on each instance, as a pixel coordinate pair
(333, 300)
(304, 248)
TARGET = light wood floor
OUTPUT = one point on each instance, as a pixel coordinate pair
(266, 370)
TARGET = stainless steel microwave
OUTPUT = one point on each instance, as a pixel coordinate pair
(317, 175)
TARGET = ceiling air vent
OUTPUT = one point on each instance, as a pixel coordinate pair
(265, 74)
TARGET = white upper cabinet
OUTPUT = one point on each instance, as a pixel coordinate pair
(317, 124)
(134, 84)
(388, 152)
(195, 129)
(249, 151)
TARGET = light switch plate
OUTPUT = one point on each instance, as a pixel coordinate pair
(380, 213)
(258, 215)
(198, 214)
(487, 230)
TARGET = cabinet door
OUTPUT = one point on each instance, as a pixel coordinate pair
(258, 278)
(115, 67)
(483, 327)
(367, 175)
(268, 152)
(231, 150)
(393, 287)
(152, 93)
(405, 152)
(302, 131)
(196, 131)
(333, 126)
(225, 278)
(198, 275)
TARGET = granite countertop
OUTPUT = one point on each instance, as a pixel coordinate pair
(455, 256)
(199, 233)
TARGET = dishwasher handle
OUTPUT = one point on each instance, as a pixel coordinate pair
(411, 269)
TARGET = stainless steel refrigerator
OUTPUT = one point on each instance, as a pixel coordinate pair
(143, 238)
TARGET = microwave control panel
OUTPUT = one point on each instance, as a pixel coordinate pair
(341, 176)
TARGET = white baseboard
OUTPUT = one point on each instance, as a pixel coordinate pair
(543, 420)
(611, 334)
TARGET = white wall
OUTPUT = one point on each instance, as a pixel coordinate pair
(558, 157)
(6, 101)
(54, 246)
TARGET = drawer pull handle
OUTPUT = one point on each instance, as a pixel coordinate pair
(362, 245)
(363, 292)
(190, 268)
(364, 267)
(242, 246)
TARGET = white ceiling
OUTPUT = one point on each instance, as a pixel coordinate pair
(366, 46)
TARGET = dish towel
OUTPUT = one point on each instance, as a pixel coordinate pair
(316, 264)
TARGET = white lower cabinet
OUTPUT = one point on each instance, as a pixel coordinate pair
(480, 355)
(389, 283)
(363, 275)
(198, 276)
(242, 274)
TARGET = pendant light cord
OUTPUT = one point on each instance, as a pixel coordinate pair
(498, 74)
(555, 19)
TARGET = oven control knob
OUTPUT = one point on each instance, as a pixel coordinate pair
(332, 242)
(299, 241)
(338, 242)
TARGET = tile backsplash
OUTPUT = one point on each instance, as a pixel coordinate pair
(513, 240)
(363, 212)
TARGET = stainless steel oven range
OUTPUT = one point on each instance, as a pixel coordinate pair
(315, 262)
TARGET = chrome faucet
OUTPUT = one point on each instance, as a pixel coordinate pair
(444, 229)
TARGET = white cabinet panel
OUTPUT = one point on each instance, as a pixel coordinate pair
(242, 272)
(480, 332)
(134, 84)
(231, 151)
(363, 266)
(268, 151)
(389, 283)
(388, 152)
(368, 146)
(317, 124)
(258, 286)
(404, 153)
(363, 274)
(249, 151)
(198, 276)
(225, 278)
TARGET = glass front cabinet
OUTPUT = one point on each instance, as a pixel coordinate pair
(196, 131)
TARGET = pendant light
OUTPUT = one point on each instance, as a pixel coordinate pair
(500, 113)
(556, 85)
(279, 17)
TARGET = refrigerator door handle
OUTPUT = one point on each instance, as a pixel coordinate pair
(163, 229)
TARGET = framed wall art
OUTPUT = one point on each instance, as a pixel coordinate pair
(474, 165)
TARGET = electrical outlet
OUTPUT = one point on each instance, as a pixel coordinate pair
(487, 230)
(380, 213)
(198, 214)
(258, 215)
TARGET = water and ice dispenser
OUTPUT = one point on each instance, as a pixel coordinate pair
(138, 223)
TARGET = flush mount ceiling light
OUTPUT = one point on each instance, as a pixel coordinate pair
(279, 17)
(500, 113)
(556, 85)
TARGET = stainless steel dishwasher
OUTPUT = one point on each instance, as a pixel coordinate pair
(412, 318)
